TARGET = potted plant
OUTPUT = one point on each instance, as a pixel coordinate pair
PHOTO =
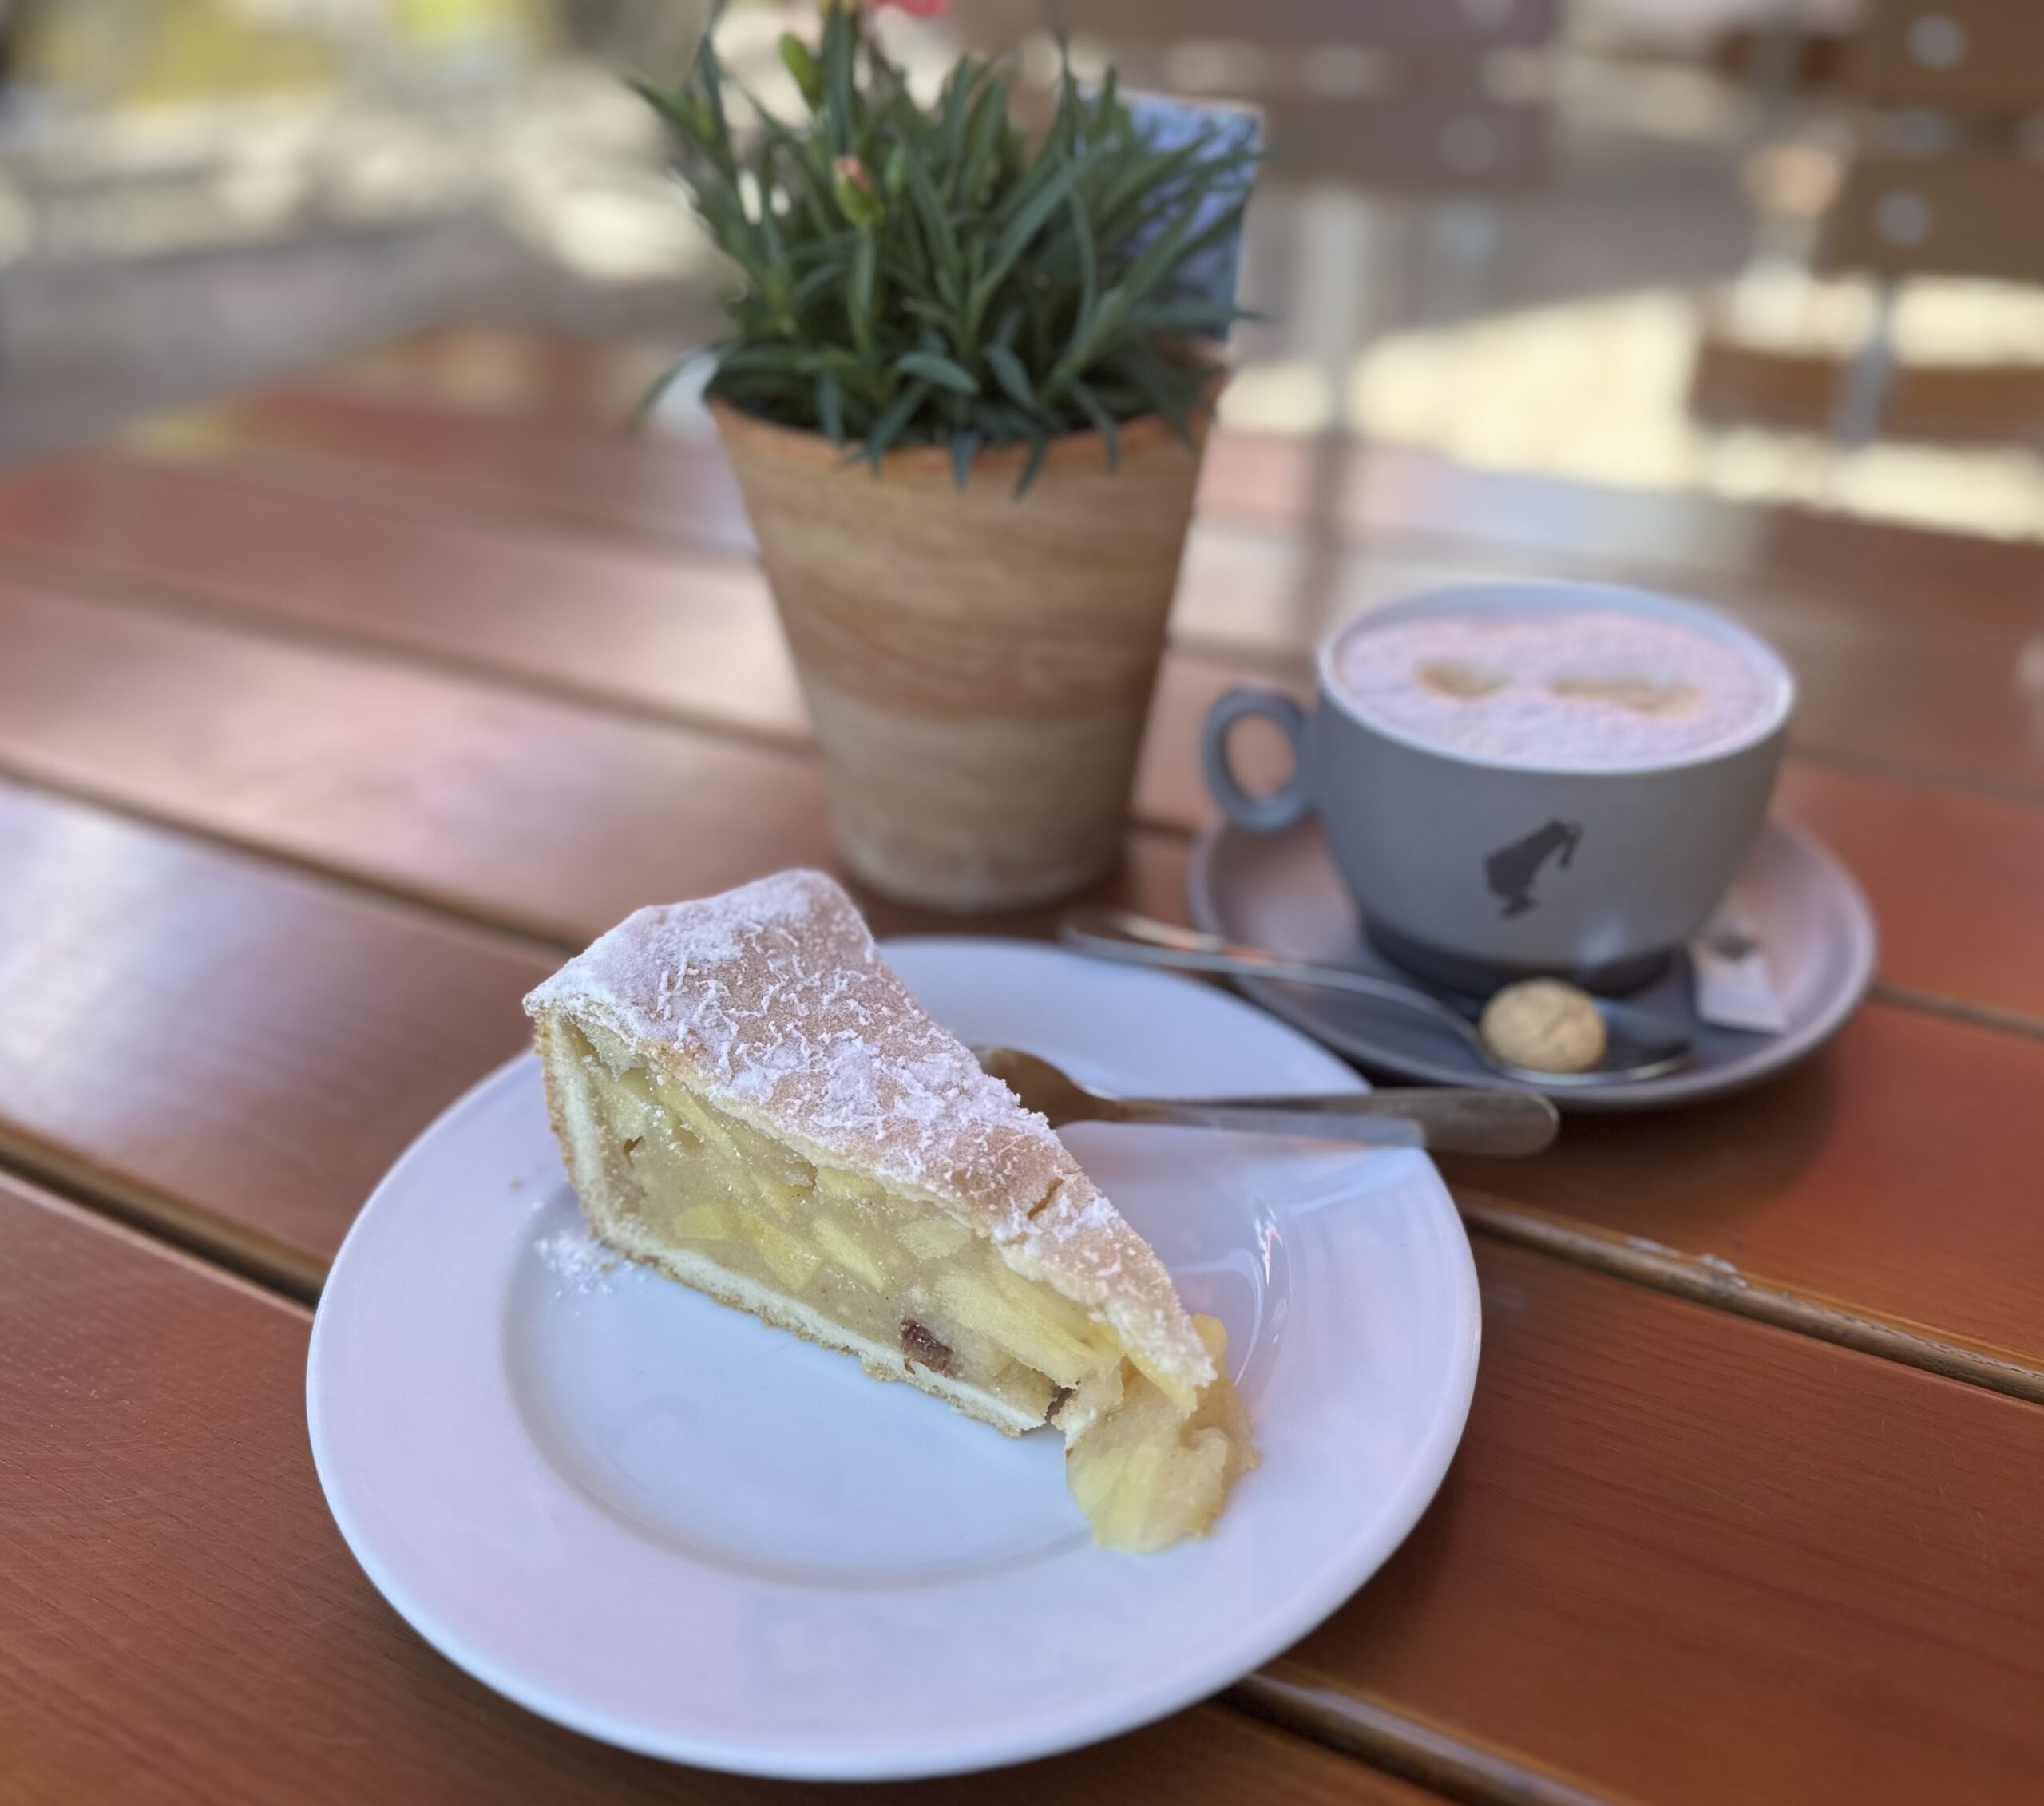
(964, 391)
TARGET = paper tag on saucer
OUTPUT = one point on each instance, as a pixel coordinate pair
(1734, 989)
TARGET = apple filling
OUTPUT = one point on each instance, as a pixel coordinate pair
(923, 1297)
(1146, 1474)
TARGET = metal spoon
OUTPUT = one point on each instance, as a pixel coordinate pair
(1452, 1121)
(1639, 1043)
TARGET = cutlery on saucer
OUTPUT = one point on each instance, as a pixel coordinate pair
(1639, 1044)
(1448, 1120)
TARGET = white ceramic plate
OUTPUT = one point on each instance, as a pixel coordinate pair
(663, 1524)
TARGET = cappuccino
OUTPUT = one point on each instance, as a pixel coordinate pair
(1572, 690)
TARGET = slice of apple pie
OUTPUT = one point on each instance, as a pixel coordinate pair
(749, 1100)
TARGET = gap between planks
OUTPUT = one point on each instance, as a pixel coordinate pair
(1974, 1015)
(159, 1216)
(1284, 1693)
(1706, 1279)
(46, 1194)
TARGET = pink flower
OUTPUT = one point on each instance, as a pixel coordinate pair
(917, 9)
(852, 188)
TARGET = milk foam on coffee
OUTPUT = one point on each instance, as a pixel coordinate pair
(1590, 690)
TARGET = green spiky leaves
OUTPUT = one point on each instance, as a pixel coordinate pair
(913, 274)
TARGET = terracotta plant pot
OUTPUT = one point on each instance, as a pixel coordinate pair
(978, 668)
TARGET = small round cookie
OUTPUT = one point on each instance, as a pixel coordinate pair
(1544, 1026)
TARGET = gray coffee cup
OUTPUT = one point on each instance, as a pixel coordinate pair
(1473, 871)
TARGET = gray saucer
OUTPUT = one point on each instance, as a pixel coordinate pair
(1281, 891)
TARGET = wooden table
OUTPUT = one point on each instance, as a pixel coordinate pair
(331, 720)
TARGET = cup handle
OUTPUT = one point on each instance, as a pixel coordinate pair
(1290, 802)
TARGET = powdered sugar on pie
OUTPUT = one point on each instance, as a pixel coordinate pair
(774, 1001)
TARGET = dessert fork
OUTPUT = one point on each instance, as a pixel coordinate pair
(1448, 1120)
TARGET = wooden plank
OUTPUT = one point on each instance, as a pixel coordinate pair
(410, 428)
(1889, 1184)
(179, 1616)
(1954, 878)
(548, 819)
(596, 477)
(1679, 1563)
(1938, 689)
(590, 473)
(1680, 539)
(686, 634)
(692, 635)
(695, 639)
(626, 624)
(229, 1050)
(504, 370)
(593, 477)
(278, 1039)
(1930, 691)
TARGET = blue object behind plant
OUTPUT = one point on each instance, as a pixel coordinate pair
(1215, 274)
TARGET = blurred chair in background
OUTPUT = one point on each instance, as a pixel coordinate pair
(1910, 303)
(1942, 182)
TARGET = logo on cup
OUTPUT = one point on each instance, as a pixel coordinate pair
(1511, 870)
